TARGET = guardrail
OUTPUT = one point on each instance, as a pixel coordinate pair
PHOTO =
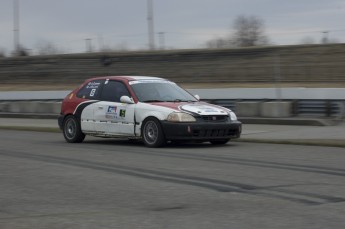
(297, 108)
(317, 108)
(247, 102)
(320, 107)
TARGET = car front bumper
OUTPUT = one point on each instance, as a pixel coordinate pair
(201, 131)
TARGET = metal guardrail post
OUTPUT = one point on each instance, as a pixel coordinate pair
(294, 108)
(328, 108)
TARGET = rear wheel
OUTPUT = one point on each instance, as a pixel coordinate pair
(71, 130)
(152, 133)
(220, 141)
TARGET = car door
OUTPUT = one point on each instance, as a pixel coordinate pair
(111, 116)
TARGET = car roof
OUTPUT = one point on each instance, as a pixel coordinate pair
(129, 78)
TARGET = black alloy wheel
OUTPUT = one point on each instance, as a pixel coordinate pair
(152, 133)
(71, 130)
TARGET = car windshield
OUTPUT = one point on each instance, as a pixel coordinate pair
(160, 91)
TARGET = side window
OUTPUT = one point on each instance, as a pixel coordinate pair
(113, 90)
(90, 90)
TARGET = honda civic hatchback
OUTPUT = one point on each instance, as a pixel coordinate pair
(152, 109)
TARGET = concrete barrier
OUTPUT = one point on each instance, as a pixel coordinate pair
(22, 107)
(273, 112)
(276, 109)
(4, 106)
(248, 109)
(32, 107)
(48, 107)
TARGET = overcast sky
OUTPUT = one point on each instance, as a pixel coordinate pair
(185, 23)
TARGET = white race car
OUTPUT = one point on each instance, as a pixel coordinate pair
(153, 109)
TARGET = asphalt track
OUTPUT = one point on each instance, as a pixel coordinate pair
(105, 183)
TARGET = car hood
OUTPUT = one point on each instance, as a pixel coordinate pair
(199, 108)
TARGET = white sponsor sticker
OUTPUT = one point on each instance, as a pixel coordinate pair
(92, 93)
(203, 109)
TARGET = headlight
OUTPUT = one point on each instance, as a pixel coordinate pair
(233, 116)
(180, 117)
(231, 113)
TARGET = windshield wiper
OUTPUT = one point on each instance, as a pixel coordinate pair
(152, 101)
(180, 100)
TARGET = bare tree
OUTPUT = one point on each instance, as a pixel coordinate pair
(307, 41)
(120, 47)
(47, 48)
(249, 31)
(218, 43)
(22, 51)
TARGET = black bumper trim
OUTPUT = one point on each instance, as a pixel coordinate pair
(201, 131)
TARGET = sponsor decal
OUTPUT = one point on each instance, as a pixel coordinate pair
(202, 109)
(92, 93)
(112, 109)
(110, 116)
(111, 112)
(122, 113)
(206, 109)
(93, 85)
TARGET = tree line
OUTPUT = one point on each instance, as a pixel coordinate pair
(247, 31)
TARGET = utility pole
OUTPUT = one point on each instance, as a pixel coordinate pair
(100, 43)
(16, 27)
(88, 44)
(277, 77)
(150, 24)
(161, 38)
(325, 37)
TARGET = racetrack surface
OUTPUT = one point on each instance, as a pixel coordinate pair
(107, 183)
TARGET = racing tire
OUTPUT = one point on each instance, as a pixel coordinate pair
(152, 133)
(71, 130)
(220, 141)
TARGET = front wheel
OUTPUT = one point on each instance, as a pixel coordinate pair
(220, 141)
(152, 133)
(71, 130)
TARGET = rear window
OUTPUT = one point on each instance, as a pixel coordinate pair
(90, 90)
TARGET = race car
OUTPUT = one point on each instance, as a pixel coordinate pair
(152, 109)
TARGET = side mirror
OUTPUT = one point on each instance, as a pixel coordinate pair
(197, 97)
(126, 99)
